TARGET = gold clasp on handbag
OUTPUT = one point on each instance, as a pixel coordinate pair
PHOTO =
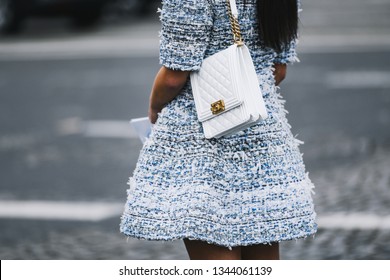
(217, 107)
(238, 41)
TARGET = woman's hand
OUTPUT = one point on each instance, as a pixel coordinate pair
(280, 73)
(167, 85)
(153, 115)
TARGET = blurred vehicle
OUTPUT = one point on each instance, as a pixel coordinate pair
(84, 12)
(139, 7)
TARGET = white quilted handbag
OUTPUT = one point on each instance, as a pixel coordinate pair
(226, 89)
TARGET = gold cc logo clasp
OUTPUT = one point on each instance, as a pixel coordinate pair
(217, 107)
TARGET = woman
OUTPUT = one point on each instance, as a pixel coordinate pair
(238, 196)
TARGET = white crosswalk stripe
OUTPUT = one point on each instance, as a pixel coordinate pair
(361, 221)
(59, 210)
(97, 211)
(96, 128)
(358, 79)
(131, 42)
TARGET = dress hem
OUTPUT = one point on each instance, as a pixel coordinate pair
(266, 234)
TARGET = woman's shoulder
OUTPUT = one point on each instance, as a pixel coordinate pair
(187, 11)
(184, 36)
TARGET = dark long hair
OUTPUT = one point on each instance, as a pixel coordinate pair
(278, 22)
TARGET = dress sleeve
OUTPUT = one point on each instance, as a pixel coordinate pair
(185, 32)
(289, 55)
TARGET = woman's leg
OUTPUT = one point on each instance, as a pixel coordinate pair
(260, 252)
(200, 250)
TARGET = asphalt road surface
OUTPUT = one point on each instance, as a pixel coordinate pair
(67, 150)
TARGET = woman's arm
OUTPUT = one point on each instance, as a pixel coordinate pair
(167, 85)
(280, 72)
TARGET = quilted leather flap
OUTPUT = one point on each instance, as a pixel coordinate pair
(213, 87)
(217, 108)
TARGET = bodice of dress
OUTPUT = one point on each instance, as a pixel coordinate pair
(194, 29)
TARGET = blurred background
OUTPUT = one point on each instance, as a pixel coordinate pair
(73, 73)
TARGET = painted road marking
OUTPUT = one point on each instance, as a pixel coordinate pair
(362, 221)
(96, 128)
(358, 79)
(59, 210)
(98, 211)
(126, 45)
(343, 43)
(80, 48)
(109, 129)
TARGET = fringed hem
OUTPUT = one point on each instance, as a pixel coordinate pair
(229, 236)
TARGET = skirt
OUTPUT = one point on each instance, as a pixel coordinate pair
(244, 189)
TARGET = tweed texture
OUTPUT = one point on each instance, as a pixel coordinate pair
(243, 189)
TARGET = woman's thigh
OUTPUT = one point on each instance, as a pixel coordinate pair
(200, 250)
(260, 252)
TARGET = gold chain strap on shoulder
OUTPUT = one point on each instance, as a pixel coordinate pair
(235, 26)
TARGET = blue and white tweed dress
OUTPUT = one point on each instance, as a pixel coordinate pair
(248, 188)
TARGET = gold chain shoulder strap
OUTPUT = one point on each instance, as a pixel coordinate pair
(235, 26)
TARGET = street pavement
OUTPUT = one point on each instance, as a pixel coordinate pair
(66, 148)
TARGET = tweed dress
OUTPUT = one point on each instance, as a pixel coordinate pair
(247, 188)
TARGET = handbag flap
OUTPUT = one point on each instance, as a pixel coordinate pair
(217, 108)
(213, 87)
